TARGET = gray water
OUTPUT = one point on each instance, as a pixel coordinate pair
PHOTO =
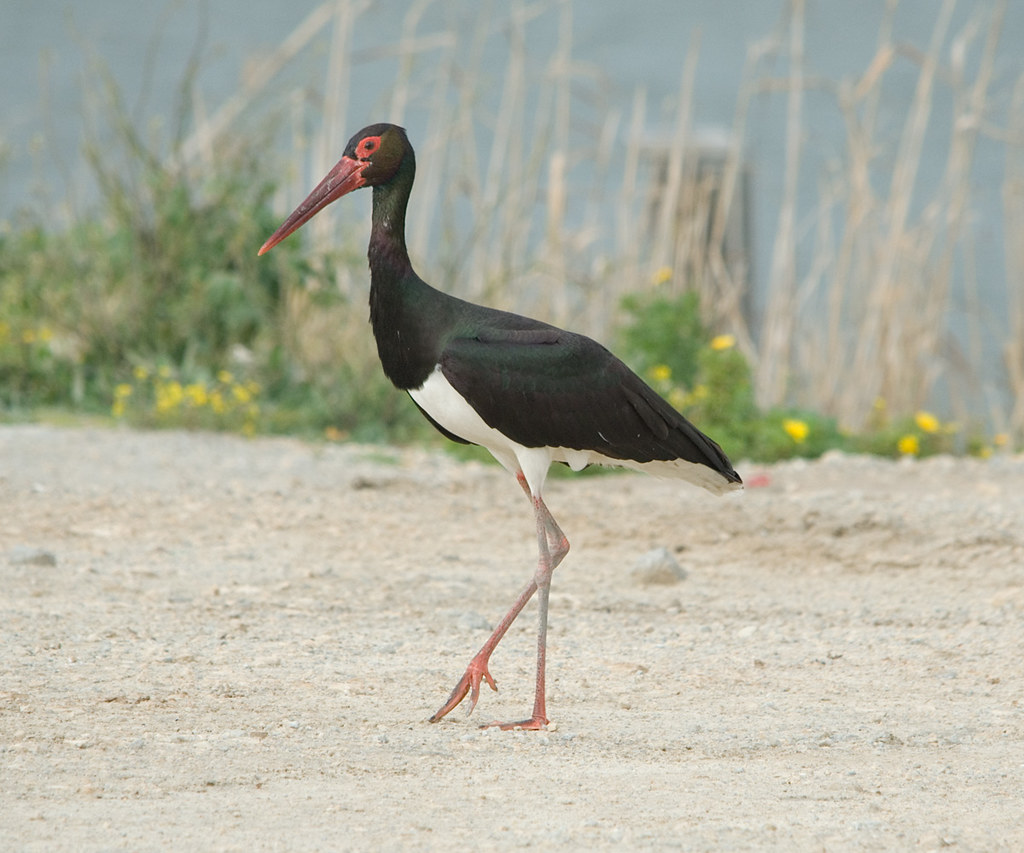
(48, 48)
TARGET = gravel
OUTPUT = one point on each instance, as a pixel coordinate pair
(215, 643)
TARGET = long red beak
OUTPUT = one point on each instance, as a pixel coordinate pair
(347, 175)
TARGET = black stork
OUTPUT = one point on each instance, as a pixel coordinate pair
(529, 392)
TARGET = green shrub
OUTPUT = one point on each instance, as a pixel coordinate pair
(709, 380)
(663, 331)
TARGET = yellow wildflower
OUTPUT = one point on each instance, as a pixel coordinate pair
(242, 394)
(217, 403)
(661, 275)
(1001, 439)
(225, 377)
(168, 396)
(927, 422)
(121, 393)
(661, 373)
(700, 392)
(196, 394)
(909, 445)
(796, 430)
(140, 372)
(720, 342)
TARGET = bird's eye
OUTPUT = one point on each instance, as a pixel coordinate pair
(368, 146)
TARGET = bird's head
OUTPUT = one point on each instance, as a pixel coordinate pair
(372, 157)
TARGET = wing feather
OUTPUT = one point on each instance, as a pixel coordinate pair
(543, 386)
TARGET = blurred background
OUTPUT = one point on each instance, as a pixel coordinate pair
(800, 219)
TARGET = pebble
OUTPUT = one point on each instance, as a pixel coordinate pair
(28, 555)
(657, 568)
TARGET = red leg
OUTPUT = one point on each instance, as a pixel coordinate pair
(477, 669)
(553, 546)
(558, 545)
(539, 718)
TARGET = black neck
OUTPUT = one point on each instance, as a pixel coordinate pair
(388, 255)
(405, 312)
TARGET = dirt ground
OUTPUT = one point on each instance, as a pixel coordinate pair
(213, 643)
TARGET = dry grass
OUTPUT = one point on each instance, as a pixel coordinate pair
(861, 286)
(1013, 213)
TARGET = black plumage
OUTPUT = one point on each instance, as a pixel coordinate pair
(528, 391)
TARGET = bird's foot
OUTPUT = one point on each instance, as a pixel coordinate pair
(534, 724)
(475, 673)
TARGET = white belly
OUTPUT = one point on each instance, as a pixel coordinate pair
(450, 409)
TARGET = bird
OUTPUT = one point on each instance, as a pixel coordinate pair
(529, 392)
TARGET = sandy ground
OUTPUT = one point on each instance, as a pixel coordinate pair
(212, 643)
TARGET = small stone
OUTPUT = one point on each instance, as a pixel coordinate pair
(657, 567)
(26, 555)
(470, 620)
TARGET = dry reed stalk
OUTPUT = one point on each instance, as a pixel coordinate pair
(810, 294)
(916, 258)
(730, 281)
(729, 290)
(859, 287)
(411, 48)
(329, 142)
(627, 249)
(400, 91)
(694, 205)
(503, 198)
(668, 214)
(1013, 215)
(772, 375)
(428, 199)
(460, 261)
(556, 197)
(255, 82)
(601, 303)
(970, 104)
(858, 103)
(878, 355)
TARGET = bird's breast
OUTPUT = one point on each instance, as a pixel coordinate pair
(450, 409)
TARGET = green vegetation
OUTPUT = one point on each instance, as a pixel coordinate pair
(709, 380)
(155, 310)
(158, 311)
